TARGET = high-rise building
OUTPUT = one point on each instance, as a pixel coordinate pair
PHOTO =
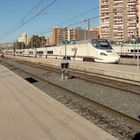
(59, 35)
(138, 7)
(119, 20)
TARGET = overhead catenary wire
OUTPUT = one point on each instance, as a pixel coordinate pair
(22, 19)
(44, 30)
(81, 14)
(81, 21)
(70, 19)
(27, 21)
(47, 31)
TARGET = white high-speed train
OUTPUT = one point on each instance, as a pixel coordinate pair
(92, 50)
(127, 50)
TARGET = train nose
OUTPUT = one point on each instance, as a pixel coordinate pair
(117, 59)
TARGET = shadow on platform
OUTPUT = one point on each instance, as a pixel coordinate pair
(137, 136)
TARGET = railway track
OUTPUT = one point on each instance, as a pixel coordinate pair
(128, 119)
(90, 77)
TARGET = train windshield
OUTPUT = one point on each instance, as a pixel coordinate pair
(101, 44)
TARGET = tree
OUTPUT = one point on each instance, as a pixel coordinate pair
(37, 41)
(19, 45)
(43, 41)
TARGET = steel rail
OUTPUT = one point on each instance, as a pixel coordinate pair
(90, 77)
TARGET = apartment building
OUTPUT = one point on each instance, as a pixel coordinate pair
(119, 20)
(58, 35)
(24, 37)
(138, 7)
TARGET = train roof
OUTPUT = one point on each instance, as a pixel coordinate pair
(79, 42)
(86, 41)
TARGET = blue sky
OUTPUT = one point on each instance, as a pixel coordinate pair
(12, 11)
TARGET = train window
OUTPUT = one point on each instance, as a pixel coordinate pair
(135, 50)
(49, 52)
(30, 52)
(39, 52)
(101, 44)
(94, 44)
(104, 45)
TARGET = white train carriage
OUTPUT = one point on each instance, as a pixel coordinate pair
(29, 52)
(8, 51)
(127, 50)
(93, 50)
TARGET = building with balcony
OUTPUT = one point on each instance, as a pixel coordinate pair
(119, 20)
(59, 35)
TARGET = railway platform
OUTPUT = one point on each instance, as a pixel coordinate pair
(29, 114)
(125, 73)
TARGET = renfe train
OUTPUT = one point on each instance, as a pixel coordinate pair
(91, 50)
(127, 50)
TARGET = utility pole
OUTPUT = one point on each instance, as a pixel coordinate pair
(64, 64)
(87, 21)
(138, 55)
(65, 42)
(88, 24)
(14, 49)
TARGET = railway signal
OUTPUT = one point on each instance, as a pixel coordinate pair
(64, 69)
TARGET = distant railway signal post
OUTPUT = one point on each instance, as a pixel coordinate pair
(64, 69)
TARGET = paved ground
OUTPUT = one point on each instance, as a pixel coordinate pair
(26, 113)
